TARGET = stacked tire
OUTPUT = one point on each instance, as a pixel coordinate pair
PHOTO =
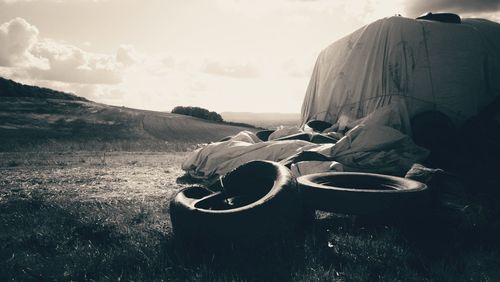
(259, 201)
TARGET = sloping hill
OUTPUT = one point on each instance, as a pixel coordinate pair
(10, 88)
(31, 116)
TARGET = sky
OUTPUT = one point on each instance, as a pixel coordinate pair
(223, 55)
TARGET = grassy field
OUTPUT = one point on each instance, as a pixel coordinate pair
(103, 216)
(34, 124)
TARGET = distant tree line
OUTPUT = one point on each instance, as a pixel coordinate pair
(10, 88)
(197, 112)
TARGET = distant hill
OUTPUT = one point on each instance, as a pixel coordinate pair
(266, 120)
(10, 88)
(31, 116)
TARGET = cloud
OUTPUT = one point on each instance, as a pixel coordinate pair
(46, 59)
(68, 63)
(53, 1)
(126, 55)
(415, 7)
(298, 68)
(232, 70)
(17, 37)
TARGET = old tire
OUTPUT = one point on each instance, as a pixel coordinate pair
(224, 139)
(318, 125)
(362, 193)
(264, 134)
(259, 199)
(435, 131)
(297, 136)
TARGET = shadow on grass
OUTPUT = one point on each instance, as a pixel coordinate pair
(42, 240)
(455, 238)
(275, 261)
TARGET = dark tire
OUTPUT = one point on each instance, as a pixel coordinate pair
(297, 136)
(362, 193)
(264, 134)
(319, 125)
(225, 139)
(322, 139)
(259, 200)
(435, 131)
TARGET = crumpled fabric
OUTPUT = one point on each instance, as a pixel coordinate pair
(373, 148)
(221, 157)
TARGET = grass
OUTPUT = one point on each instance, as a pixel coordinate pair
(103, 216)
(46, 146)
(36, 124)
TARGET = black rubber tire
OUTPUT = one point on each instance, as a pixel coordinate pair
(270, 207)
(322, 139)
(435, 131)
(362, 193)
(225, 139)
(318, 125)
(297, 136)
(264, 134)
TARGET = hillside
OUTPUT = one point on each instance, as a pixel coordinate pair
(10, 88)
(30, 116)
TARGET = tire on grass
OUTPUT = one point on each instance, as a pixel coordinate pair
(259, 200)
(362, 193)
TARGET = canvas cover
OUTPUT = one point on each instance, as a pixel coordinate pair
(369, 147)
(415, 65)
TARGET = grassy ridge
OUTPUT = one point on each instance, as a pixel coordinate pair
(28, 122)
(10, 88)
(34, 118)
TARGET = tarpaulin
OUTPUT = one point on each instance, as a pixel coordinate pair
(370, 148)
(423, 65)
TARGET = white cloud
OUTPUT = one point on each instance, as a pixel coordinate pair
(53, 1)
(126, 55)
(298, 68)
(237, 70)
(46, 59)
(17, 37)
(68, 63)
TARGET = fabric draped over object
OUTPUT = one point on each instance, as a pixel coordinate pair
(367, 148)
(423, 65)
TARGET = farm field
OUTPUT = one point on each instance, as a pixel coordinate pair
(103, 216)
